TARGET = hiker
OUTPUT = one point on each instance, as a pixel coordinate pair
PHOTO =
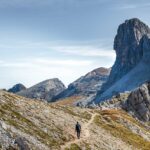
(78, 130)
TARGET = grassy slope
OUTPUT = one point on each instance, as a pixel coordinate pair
(53, 124)
(112, 121)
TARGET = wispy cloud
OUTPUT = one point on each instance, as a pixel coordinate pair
(16, 64)
(95, 48)
(29, 3)
(133, 6)
(43, 62)
(31, 62)
(127, 6)
(86, 51)
(24, 3)
(33, 70)
(68, 62)
(46, 44)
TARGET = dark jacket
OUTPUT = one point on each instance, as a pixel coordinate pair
(78, 127)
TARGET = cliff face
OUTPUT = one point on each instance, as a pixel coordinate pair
(138, 102)
(128, 51)
(126, 45)
(132, 46)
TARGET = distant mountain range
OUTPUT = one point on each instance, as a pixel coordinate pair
(45, 90)
(131, 69)
(86, 85)
(54, 89)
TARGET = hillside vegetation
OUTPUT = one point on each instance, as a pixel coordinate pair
(37, 125)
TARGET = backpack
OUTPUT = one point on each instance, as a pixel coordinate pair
(78, 127)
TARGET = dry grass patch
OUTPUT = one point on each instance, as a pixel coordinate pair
(73, 147)
(15, 119)
(74, 111)
(110, 121)
(69, 101)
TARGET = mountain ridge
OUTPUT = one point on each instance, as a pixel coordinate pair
(86, 85)
(44, 90)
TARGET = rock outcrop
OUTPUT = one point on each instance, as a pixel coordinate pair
(45, 90)
(6, 141)
(131, 68)
(138, 102)
(126, 45)
(86, 85)
(17, 88)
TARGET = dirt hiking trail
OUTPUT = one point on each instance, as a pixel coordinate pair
(85, 133)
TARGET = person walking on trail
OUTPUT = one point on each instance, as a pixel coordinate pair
(78, 130)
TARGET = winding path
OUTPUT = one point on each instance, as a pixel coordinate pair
(85, 133)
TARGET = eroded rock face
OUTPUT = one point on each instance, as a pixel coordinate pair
(6, 140)
(131, 68)
(138, 102)
(45, 90)
(91, 82)
(126, 45)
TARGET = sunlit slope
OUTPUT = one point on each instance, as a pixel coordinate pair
(38, 125)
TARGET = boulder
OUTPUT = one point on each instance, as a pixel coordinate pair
(138, 102)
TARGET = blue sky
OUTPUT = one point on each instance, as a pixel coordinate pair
(42, 39)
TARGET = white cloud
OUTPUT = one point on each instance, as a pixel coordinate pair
(87, 48)
(50, 60)
(133, 6)
(128, 7)
(68, 62)
(32, 71)
(30, 3)
(86, 51)
(14, 64)
(35, 62)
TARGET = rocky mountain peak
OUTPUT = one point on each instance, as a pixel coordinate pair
(17, 88)
(86, 85)
(130, 33)
(51, 83)
(131, 68)
(127, 44)
(45, 90)
(99, 71)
